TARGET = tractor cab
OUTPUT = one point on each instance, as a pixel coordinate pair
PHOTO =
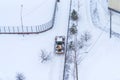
(59, 44)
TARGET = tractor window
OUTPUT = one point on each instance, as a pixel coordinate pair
(59, 42)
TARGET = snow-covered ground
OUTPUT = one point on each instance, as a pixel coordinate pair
(102, 60)
(21, 54)
(34, 12)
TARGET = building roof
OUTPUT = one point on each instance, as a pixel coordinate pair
(114, 5)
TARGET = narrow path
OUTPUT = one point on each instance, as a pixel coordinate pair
(70, 68)
(60, 28)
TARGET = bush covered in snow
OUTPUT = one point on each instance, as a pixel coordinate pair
(83, 40)
(44, 56)
(73, 29)
(20, 76)
(74, 15)
(71, 45)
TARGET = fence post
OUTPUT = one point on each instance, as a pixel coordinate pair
(36, 28)
(9, 29)
(110, 24)
(45, 27)
(39, 28)
(27, 28)
(4, 29)
(13, 29)
(42, 27)
(0, 29)
(18, 29)
(31, 29)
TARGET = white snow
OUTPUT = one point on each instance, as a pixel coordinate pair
(34, 12)
(102, 60)
(20, 53)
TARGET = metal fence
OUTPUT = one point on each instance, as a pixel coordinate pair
(26, 29)
(65, 75)
(29, 29)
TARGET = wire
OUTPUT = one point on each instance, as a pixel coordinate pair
(95, 42)
(83, 57)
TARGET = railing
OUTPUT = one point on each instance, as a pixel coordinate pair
(64, 72)
(29, 29)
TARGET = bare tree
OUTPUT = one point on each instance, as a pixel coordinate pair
(44, 56)
(71, 45)
(86, 36)
(20, 76)
(83, 40)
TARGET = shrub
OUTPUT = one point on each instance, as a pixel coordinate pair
(20, 76)
(84, 38)
(44, 56)
(74, 15)
(73, 29)
(71, 45)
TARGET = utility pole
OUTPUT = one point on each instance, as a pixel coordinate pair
(110, 24)
(76, 65)
(21, 17)
(75, 59)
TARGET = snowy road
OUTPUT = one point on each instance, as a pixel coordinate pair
(61, 26)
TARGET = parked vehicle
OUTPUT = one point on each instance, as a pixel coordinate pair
(59, 44)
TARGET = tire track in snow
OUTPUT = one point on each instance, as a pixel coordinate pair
(56, 68)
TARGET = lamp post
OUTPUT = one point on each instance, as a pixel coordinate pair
(76, 63)
(21, 17)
